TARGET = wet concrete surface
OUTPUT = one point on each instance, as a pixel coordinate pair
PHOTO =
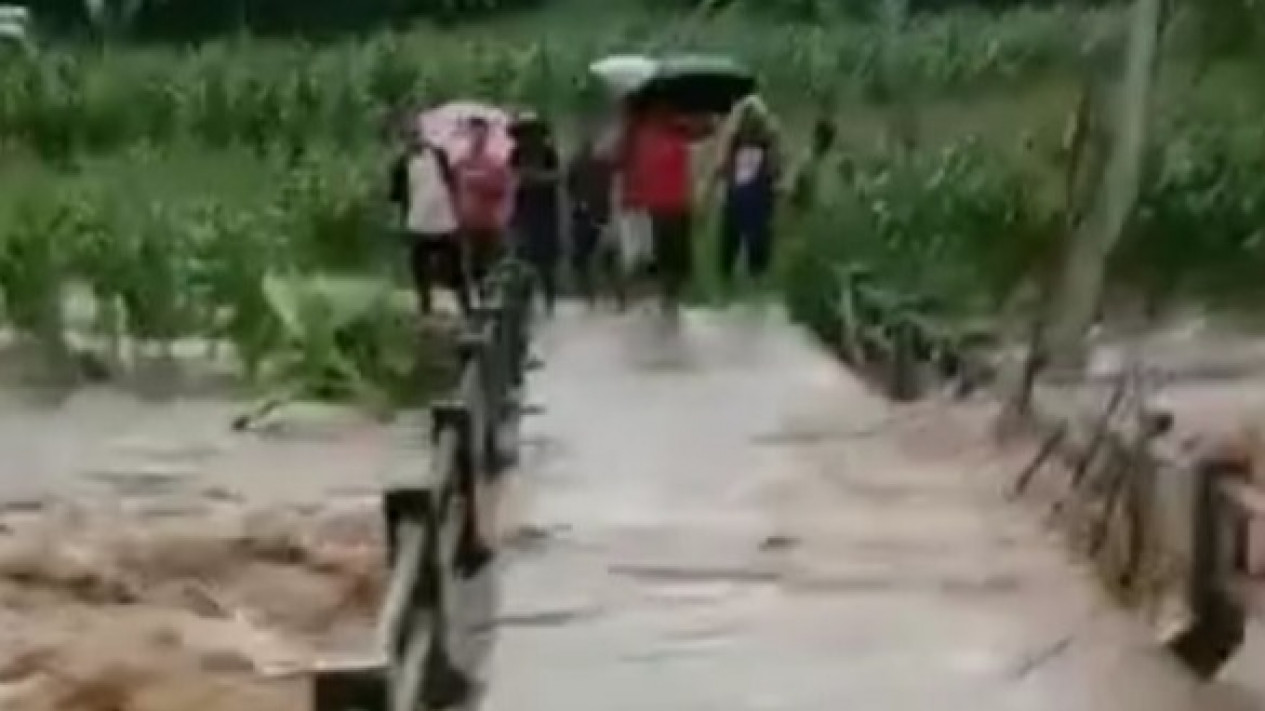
(717, 516)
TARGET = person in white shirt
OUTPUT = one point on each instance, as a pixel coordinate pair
(749, 172)
(423, 188)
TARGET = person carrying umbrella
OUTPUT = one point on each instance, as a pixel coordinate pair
(422, 186)
(484, 185)
(657, 195)
(668, 103)
(749, 171)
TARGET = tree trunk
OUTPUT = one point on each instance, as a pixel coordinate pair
(1079, 288)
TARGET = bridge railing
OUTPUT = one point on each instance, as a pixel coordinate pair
(1240, 507)
(899, 340)
(1223, 589)
(1151, 519)
(434, 531)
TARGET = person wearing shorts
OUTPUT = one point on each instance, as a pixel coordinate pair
(422, 188)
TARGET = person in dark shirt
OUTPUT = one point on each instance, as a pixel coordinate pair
(590, 175)
(537, 202)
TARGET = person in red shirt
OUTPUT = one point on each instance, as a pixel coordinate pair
(484, 184)
(656, 183)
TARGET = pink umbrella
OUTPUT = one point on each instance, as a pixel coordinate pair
(447, 126)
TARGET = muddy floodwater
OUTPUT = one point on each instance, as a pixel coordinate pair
(711, 515)
(151, 559)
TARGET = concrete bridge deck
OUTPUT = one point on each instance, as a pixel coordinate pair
(719, 517)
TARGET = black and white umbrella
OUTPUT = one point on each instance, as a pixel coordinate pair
(705, 84)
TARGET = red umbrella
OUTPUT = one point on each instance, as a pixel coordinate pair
(448, 126)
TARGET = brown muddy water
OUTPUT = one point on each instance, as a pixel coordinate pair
(151, 559)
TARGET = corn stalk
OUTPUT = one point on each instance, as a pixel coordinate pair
(896, 93)
(34, 271)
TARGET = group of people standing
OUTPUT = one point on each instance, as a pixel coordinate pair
(455, 213)
(621, 207)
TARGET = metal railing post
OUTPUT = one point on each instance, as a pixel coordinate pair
(350, 690)
(496, 371)
(904, 364)
(849, 341)
(891, 339)
(433, 527)
(1218, 620)
(411, 529)
(473, 553)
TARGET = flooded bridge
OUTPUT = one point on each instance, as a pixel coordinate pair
(712, 513)
(718, 516)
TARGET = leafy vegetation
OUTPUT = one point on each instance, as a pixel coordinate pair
(958, 225)
(165, 262)
(290, 94)
(968, 229)
(1199, 233)
(230, 190)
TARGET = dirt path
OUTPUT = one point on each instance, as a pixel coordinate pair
(720, 518)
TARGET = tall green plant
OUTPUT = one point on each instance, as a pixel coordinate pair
(341, 338)
(1198, 232)
(332, 209)
(256, 93)
(37, 241)
(959, 225)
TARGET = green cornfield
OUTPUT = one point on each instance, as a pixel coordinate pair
(261, 93)
(233, 191)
